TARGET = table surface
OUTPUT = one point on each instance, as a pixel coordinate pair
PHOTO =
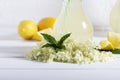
(12, 62)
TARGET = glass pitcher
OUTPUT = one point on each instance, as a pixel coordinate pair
(115, 17)
(72, 19)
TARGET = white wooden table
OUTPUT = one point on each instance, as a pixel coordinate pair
(13, 66)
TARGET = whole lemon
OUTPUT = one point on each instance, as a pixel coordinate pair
(26, 29)
(47, 22)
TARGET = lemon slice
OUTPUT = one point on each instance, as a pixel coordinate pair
(114, 38)
(106, 45)
(38, 35)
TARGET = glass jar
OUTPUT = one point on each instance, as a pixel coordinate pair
(115, 17)
(72, 19)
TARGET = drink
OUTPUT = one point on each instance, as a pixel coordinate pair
(115, 17)
(72, 19)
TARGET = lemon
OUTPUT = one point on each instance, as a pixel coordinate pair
(47, 22)
(106, 45)
(114, 38)
(26, 29)
(38, 35)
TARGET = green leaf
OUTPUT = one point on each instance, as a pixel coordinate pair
(116, 51)
(52, 46)
(63, 39)
(63, 47)
(46, 45)
(49, 45)
(102, 50)
(56, 45)
(49, 38)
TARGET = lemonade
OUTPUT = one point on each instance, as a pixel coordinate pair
(115, 17)
(72, 19)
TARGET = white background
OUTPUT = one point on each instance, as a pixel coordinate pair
(13, 11)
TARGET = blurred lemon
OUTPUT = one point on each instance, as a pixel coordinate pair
(114, 38)
(26, 29)
(38, 35)
(106, 45)
(47, 22)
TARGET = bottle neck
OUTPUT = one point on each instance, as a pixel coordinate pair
(72, 0)
(72, 3)
(73, 7)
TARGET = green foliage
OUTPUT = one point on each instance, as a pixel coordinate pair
(116, 51)
(52, 42)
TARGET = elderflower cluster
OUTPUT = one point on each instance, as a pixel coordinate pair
(75, 52)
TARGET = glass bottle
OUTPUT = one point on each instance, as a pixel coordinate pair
(115, 17)
(72, 19)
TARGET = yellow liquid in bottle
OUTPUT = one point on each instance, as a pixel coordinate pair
(73, 20)
(115, 17)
